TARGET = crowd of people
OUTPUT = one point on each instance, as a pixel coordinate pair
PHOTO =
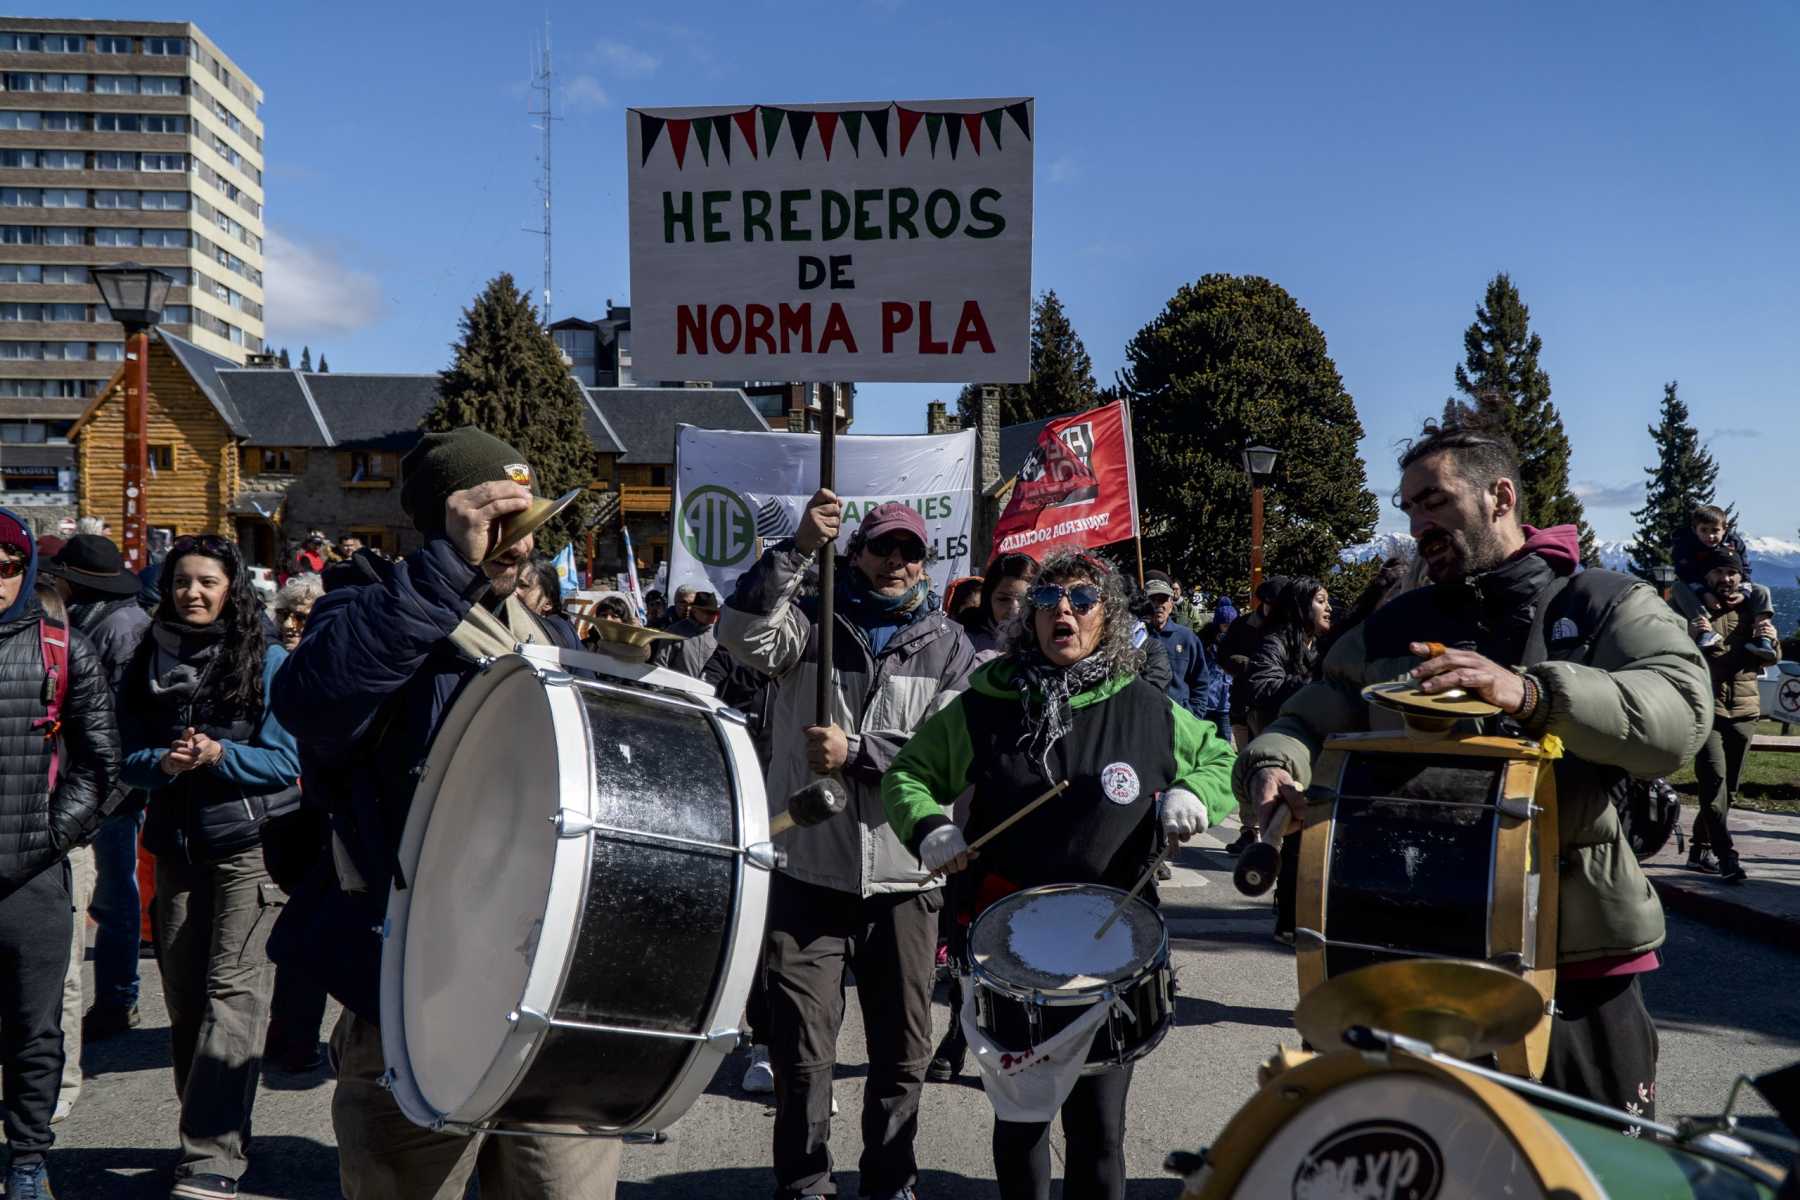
(180, 712)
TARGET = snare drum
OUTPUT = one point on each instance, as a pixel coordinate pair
(580, 900)
(1037, 968)
(1412, 1129)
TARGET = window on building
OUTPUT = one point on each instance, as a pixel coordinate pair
(63, 235)
(22, 351)
(21, 235)
(65, 43)
(57, 274)
(121, 237)
(23, 433)
(161, 85)
(177, 314)
(66, 351)
(21, 387)
(62, 160)
(115, 160)
(109, 44)
(156, 124)
(18, 158)
(165, 201)
(109, 351)
(64, 83)
(115, 199)
(21, 273)
(368, 466)
(118, 123)
(165, 45)
(280, 461)
(11, 197)
(116, 85)
(14, 119)
(162, 458)
(162, 162)
(23, 43)
(14, 311)
(65, 197)
(166, 237)
(66, 312)
(64, 122)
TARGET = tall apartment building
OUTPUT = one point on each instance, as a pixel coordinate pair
(119, 140)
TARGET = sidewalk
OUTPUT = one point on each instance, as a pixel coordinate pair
(1767, 906)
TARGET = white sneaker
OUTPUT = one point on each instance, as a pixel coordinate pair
(63, 1109)
(761, 1076)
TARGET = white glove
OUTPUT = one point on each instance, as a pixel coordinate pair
(1183, 815)
(941, 847)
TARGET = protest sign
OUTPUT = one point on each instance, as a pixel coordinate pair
(1076, 488)
(816, 243)
(737, 492)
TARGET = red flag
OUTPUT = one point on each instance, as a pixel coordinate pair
(827, 123)
(972, 123)
(678, 136)
(746, 123)
(909, 121)
(1077, 487)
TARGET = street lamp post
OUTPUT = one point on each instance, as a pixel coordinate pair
(134, 295)
(1259, 465)
(1664, 575)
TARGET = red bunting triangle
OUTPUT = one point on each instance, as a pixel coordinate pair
(678, 136)
(827, 123)
(746, 123)
(909, 121)
(972, 123)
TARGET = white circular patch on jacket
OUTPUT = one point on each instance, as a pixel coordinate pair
(1120, 782)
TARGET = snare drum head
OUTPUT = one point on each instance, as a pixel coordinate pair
(479, 888)
(1042, 939)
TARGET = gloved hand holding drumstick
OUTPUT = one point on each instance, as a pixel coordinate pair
(944, 852)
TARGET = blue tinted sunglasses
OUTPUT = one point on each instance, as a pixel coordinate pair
(1082, 597)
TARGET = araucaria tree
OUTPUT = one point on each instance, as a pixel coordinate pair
(508, 377)
(1504, 387)
(1681, 481)
(1062, 374)
(1233, 359)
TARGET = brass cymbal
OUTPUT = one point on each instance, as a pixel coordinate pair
(630, 635)
(1461, 1007)
(1404, 697)
(540, 512)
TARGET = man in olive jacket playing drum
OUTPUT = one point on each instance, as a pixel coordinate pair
(1593, 657)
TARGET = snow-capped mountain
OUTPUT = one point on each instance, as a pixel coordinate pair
(1771, 559)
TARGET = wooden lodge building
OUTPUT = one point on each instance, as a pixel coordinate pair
(266, 455)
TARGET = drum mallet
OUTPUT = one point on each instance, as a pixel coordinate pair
(1258, 866)
(1137, 887)
(1003, 826)
(818, 801)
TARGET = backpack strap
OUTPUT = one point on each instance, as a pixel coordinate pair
(1570, 613)
(53, 642)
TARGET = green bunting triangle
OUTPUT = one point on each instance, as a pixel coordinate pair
(878, 127)
(992, 117)
(771, 121)
(853, 127)
(934, 124)
(722, 126)
(954, 128)
(703, 134)
(649, 129)
(799, 125)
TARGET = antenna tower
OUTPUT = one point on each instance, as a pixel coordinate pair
(543, 117)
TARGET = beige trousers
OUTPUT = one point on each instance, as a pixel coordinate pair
(82, 862)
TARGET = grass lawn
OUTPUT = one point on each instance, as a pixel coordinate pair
(1770, 783)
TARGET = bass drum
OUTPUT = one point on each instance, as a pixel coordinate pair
(580, 901)
(1412, 1129)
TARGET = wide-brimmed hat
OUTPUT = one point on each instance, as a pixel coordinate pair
(93, 562)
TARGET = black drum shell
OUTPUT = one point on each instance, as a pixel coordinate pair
(1008, 1019)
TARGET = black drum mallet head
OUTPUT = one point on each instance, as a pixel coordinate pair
(1257, 868)
(818, 801)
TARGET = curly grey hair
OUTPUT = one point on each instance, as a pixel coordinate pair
(300, 589)
(1067, 565)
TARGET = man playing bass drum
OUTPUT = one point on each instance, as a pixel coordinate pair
(1062, 703)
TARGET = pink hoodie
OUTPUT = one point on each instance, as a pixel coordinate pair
(1559, 545)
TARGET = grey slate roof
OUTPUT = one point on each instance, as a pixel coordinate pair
(274, 408)
(303, 409)
(605, 440)
(644, 419)
(204, 367)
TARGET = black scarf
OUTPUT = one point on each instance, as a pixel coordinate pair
(183, 657)
(1045, 691)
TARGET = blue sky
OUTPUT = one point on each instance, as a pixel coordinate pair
(1635, 167)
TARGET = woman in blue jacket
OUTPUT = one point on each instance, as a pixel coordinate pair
(199, 738)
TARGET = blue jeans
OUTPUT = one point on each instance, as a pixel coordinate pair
(115, 910)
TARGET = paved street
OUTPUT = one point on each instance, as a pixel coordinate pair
(1724, 1004)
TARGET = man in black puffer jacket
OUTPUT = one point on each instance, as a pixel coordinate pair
(40, 821)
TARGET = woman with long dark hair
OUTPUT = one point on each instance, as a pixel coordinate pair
(1003, 589)
(200, 739)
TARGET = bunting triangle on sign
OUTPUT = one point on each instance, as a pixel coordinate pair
(1017, 113)
(746, 123)
(722, 127)
(649, 129)
(878, 127)
(678, 135)
(771, 122)
(953, 127)
(703, 130)
(827, 123)
(909, 124)
(934, 125)
(972, 123)
(799, 125)
(992, 117)
(853, 127)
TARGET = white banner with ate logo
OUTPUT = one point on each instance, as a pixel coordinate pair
(736, 493)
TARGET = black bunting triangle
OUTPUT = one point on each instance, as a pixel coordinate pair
(722, 127)
(853, 128)
(703, 135)
(800, 124)
(953, 127)
(878, 127)
(1017, 113)
(649, 129)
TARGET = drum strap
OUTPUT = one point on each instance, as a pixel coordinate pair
(484, 634)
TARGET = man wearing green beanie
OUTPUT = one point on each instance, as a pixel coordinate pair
(364, 693)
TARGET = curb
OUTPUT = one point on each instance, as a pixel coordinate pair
(1739, 916)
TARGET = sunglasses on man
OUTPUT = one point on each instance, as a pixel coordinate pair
(911, 548)
(1082, 597)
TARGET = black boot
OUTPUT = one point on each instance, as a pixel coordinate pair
(1700, 858)
(947, 1060)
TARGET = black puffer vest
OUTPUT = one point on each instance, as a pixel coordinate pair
(199, 817)
(24, 754)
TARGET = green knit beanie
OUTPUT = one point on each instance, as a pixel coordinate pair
(443, 464)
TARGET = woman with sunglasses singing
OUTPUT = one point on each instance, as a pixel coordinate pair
(1063, 702)
(200, 739)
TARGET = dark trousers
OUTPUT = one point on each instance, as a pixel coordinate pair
(117, 911)
(815, 933)
(1287, 884)
(1093, 1121)
(35, 931)
(295, 1015)
(1717, 768)
(1603, 1045)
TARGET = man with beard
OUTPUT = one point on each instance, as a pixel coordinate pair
(1594, 658)
(363, 694)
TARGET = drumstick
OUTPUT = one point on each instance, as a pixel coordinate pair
(1135, 889)
(1003, 826)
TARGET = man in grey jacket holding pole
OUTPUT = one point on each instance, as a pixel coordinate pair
(850, 893)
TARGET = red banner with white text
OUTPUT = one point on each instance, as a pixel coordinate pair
(1076, 488)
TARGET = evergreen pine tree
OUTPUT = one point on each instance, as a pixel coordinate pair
(1062, 374)
(1507, 390)
(285, 364)
(508, 377)
(324, 367)
(306, 358)
(1681, 481)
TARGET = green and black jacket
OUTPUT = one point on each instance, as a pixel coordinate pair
(1128, 742)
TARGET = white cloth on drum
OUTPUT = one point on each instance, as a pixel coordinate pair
(1030, 1086)
(941, 846)
(1183, 814)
